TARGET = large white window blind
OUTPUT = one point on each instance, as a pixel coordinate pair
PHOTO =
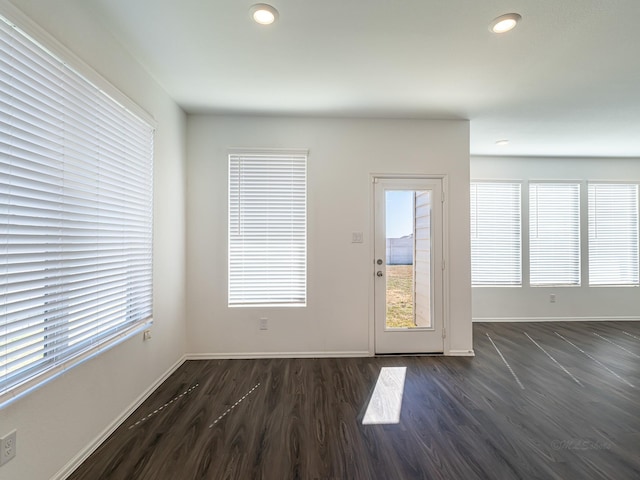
(267, 228)
(554, 233)
(613, 234)
(75, 217)
(496, 245)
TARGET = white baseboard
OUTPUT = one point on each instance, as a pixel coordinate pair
(460, 353)
(336, 354)
(76, 461)
(556, 319)
(252, 355)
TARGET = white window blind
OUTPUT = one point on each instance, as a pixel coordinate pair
(554, 233)
(613, 234)
(75, 217)
(496, 245)
(267, 229)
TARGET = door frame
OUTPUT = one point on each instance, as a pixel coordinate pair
(445, 252)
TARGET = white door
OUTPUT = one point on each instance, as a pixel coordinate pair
(408, 265)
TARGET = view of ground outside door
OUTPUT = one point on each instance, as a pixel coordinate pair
(408, 265)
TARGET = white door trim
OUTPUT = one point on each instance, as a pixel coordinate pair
(445, 253)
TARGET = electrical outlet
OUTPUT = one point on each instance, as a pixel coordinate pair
(8, 447)
(146, 335)
(264, 324)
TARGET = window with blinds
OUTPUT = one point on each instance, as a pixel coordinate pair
(613, 234)
(268, 229)
(75, 217)
(554, 233)
(496, 246)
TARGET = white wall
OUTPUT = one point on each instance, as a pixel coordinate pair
(58, 421)
(572, 303)
(343, 154)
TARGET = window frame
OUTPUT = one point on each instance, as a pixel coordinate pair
(520, 281)
(17, 25)
(589, 183)
(580, 225)
(583, 225)
(298, 277)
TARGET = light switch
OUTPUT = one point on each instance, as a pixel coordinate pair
(356, 237)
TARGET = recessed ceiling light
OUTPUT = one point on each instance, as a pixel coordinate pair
(263, 14)
(502, 143)
(504, 23)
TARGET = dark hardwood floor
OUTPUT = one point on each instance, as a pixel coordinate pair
(539, 401)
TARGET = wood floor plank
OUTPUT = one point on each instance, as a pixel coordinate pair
(461, 418)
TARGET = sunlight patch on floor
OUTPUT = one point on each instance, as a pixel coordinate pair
(386, 401)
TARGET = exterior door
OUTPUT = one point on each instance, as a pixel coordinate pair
(408, 265)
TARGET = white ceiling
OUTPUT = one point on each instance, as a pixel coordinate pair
(566, 82)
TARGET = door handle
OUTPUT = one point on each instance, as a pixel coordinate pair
(379, 273)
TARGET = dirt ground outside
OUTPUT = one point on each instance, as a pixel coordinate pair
(400, 296)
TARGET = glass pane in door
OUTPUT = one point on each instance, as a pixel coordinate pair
(408, 258)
